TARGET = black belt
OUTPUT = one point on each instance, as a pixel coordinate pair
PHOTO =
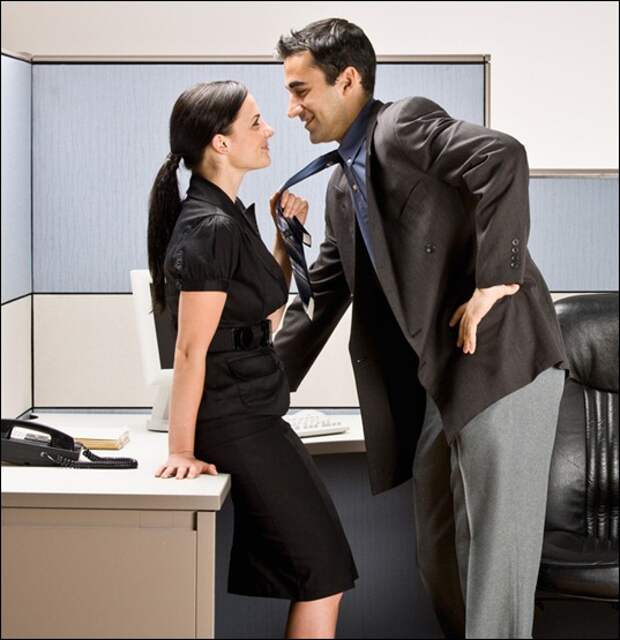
(242, 338)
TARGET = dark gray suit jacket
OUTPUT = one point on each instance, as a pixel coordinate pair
(448, 209)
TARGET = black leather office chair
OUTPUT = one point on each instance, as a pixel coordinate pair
(580, 551)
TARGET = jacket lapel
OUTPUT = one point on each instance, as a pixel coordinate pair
(385, 267)
(343, 221)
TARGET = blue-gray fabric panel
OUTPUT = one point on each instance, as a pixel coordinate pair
(574, 232)
(16, 220)
(101, 134)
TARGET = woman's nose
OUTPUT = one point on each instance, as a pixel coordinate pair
(294, 108)
(269, 132)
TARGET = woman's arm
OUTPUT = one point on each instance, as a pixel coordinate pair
(291, 206)
(199, 316)
(281, 256)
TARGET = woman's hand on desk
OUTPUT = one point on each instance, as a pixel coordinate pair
(181, 465)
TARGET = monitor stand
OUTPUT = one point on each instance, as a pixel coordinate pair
(158, 420)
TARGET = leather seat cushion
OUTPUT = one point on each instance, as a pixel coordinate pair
(579, 565)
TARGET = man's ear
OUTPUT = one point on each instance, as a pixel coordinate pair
(349, 79)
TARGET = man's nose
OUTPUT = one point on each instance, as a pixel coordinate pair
(269, 132)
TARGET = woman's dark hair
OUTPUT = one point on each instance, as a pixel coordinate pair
(335, 44)
(199, 114)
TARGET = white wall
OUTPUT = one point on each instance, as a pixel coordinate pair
(554, 80)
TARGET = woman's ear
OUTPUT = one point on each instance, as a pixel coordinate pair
(219, 143)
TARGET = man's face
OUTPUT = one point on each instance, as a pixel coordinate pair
(319, 105)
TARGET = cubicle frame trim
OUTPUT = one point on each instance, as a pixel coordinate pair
(21, 55)
(574, 173)
(240, 59)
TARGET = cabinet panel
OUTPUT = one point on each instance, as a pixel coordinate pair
(98, 574)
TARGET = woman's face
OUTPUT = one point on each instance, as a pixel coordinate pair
(249, 138)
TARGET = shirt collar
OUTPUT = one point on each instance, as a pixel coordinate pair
(203, 189)
(357, 131)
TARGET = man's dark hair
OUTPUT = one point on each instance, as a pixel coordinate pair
(335, 44)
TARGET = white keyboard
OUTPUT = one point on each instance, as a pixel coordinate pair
(309, 423)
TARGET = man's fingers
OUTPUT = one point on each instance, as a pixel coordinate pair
(459, 341)
(457, 314)
(470, 336)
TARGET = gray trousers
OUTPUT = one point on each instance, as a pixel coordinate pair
(480, 511)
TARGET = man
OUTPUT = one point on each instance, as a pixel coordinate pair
(456, 349)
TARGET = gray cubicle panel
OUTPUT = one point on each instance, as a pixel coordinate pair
(16, 178)
(574, 231)
(101, 132)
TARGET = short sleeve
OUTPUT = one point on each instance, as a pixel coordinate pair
(207, 258)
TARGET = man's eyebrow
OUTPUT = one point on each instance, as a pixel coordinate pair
(295, 84)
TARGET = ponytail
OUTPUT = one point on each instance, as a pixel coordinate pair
(198, 114)
(164, 209)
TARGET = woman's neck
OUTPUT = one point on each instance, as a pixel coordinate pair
(228, 181)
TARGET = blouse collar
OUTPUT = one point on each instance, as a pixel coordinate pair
(203, 189)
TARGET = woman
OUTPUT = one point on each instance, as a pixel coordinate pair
(226, 293)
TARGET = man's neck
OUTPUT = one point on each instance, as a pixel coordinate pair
(353, 117)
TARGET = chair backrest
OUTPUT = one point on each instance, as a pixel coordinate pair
(583, 482)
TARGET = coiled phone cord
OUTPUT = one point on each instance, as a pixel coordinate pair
(99, 462)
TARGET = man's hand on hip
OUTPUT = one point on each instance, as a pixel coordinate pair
(471, 313)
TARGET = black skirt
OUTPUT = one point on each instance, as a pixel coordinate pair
(288, 541)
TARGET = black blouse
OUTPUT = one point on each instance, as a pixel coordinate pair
(216, 246)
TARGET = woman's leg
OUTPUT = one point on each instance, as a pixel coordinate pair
(314, 618)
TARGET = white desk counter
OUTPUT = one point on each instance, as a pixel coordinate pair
(60, 488)
(136, 553)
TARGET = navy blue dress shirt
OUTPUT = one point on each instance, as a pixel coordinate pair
(352, 150)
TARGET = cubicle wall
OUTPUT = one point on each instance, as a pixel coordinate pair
(16, 236)
(99, 135)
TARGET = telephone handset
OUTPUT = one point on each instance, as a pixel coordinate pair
(48, 447)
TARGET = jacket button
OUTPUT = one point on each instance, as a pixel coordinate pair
(515, 250)
(515, 241)
(429, 248)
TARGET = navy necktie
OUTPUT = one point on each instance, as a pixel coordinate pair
(295, 235)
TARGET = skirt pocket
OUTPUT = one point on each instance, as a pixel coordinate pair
(261, 382)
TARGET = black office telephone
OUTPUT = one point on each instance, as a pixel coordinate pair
(48, 447)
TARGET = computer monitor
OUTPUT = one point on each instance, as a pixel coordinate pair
(157, 339)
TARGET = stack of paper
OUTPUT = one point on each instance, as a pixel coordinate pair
(100, 437)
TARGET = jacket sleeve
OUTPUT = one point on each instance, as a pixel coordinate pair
(489, 164)
(300, 340)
